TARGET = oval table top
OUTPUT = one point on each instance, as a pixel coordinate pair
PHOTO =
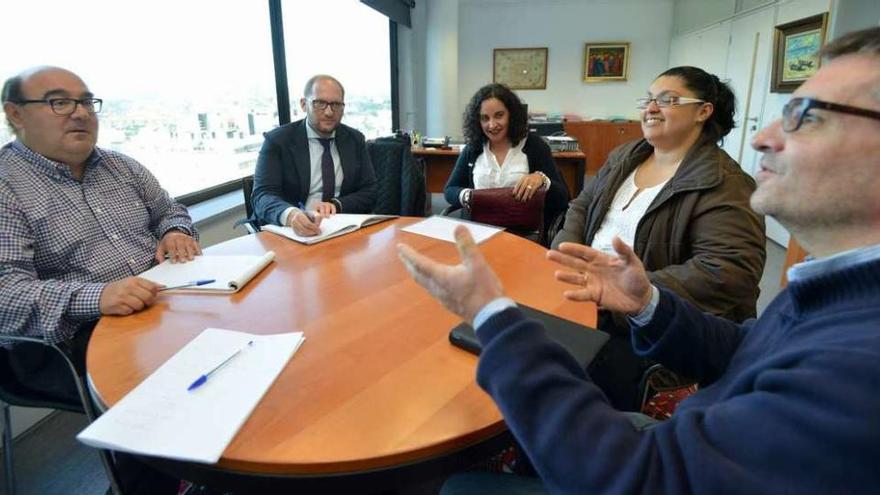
(376, 384)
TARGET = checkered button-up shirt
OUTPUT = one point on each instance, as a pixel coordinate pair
(62, 240)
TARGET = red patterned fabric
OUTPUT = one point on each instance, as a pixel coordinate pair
(662, 405)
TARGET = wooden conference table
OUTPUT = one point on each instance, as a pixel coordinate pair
(439, 164)
(375, 389)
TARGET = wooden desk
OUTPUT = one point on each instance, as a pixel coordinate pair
(439, 164)
(375, 386)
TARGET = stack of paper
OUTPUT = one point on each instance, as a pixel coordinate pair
(230, 273)
(160, 417)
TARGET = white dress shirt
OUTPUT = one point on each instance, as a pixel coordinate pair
(627, 209)
(316, 185)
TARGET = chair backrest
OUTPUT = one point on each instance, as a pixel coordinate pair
(247, 187)
(250, 222)
(400, 178)
(16, 394)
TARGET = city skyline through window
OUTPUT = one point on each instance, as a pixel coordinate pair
(188, 87)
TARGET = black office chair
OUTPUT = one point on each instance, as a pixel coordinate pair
(401, 185)
(251, 224)
(13, 393)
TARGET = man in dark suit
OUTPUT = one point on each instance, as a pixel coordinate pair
(314, 167)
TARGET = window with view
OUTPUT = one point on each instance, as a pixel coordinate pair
(188, 87)
(349, 41)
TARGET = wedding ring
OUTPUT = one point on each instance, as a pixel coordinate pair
(528, 187)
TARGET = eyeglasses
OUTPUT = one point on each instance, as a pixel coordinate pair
(67, 106)
(794, 111)
(322, 105)
(664, 101)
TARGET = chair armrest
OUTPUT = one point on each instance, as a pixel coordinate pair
(449, 210)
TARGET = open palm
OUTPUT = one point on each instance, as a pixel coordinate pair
(616, 283)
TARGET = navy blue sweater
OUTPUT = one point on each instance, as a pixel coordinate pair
(791, 402)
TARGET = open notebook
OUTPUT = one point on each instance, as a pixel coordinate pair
(230, 273)
(161, 417)
(332, 226)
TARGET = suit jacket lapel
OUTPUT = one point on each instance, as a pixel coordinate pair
(302, 160)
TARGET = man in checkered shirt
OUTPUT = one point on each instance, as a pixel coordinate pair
(77, 225)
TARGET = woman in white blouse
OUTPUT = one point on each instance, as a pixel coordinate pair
(683, 205)
(500, 152)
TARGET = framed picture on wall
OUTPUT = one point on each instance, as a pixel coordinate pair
(606, 61)
(796, 52)
(520, 68)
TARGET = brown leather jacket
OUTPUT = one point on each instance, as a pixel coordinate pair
(699, 237)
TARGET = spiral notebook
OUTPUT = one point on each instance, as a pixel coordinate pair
(230, 273)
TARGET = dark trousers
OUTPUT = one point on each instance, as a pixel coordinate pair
(42, 370)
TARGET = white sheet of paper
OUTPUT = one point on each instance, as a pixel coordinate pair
(161, 418)
(440, 227)
(230, 273)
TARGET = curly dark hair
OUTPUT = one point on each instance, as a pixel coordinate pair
(517, 127)
(710, 89)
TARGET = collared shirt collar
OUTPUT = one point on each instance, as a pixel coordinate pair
(49, 166)
(815, 267)
(313, 134)
(516, 146)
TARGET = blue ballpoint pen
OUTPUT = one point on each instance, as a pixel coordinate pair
(204, 378)
(193, 283)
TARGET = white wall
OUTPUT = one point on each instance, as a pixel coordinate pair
(563, 26)
(441, 67)
(442, 62)
(411, 70)
(852, 15)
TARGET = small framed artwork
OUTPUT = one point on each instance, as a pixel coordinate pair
(796, 52)
(520, 68)
(606, 61)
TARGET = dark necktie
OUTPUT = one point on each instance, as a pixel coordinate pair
(328, 175)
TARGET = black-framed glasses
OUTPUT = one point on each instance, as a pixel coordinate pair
(794, 111)
(664, 101)
(322, 105)
(66, 106)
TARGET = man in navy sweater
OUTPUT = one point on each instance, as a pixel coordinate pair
(789, 402)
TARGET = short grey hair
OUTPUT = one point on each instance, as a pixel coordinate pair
(866, 41)
(309, 89)
(863, 42)
(12, 93)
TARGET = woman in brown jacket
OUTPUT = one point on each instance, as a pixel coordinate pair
(683, 204)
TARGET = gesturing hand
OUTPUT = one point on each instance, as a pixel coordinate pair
(464, 288)
(617, 283)
(177, 246)
(127, 296)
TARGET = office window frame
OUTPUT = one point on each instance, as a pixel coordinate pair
(283, 95)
